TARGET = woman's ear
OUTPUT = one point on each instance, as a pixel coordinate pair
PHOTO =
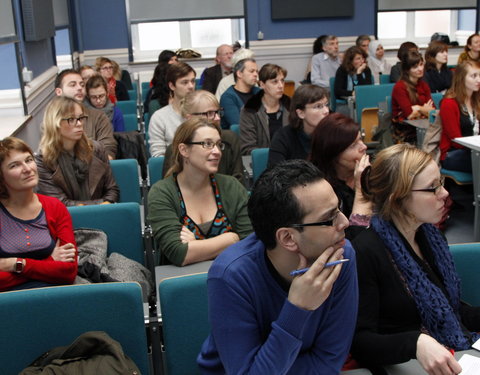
(183, 149)
(300, 113)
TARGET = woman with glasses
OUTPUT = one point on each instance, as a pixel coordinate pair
(196, 212)
(410, 305)
(37, 244)
(339, 152)
(460, 113)
(266, 112)
(308, 107)
(97, 98)
(72, 167)
(116, 89)
(204, 104)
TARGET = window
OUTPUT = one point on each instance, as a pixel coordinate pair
(204, 36)
(418, 26)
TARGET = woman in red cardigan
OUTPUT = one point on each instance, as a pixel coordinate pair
(411, 98)
(37, 245)
(460, 112)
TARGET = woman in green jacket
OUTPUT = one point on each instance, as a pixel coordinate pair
(196, 213)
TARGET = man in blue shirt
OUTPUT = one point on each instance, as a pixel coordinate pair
(265, 321)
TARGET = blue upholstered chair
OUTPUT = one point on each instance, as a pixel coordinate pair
(460, 178)
(333, 99)
(155, 169)
(384, 78)
(185, 323)
(131, 122)
(121, 222)
(259, 161)
(128, 107)
(145, 88)
(33, 321)
(127, 178)
(368, 96)
(467, 264)
(235, 128)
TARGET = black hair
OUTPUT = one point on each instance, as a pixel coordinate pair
(272, 204)
(62, 74)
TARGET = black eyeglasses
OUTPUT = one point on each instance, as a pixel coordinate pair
(328, 223)
(210, 115)
(436, 189)
(209, 144)
(72, 121)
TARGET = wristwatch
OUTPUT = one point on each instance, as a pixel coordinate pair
(18, 265)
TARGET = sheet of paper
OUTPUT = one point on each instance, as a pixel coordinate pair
(476, 345)
(470, 365)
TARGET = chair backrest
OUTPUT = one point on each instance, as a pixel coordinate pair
(155, 169)
(131, 122)
(333, 98)
(259, 161)
(235, 128)
(384, 78)
(133, 94)
(368, 96)
(37, 320)
(467, 264)
(460, 178)
(127, 178)
(145, 88)
(121, 222)
(185, 323)
(436, 97)
(388, 98)
(127, 107)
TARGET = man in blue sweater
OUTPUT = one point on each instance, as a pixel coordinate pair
(265, 321)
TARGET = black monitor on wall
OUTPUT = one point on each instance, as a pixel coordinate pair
(293, 9)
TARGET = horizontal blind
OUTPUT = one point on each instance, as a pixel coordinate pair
(168, 10)
(391, 5)
(7, 24)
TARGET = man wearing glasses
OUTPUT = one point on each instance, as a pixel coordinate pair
(69, 83)
(275, 306)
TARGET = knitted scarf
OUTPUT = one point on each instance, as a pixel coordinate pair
(439, 312)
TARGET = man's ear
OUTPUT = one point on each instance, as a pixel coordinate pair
(58, 91)
(286, 237)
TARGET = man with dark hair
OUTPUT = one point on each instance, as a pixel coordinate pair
(263, 319)
(222, 68)
(234, 98)
(69, 83)
(180, 79)
(363, 41)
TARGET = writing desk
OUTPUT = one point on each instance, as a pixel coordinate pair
(411, 367)
(473, 143)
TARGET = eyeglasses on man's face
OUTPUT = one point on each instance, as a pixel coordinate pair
(72, 121)
(327, 223)
(209, 144)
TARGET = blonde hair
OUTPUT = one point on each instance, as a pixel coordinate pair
(184, 134)
(190, 103)
(389, 180)
(51, 143)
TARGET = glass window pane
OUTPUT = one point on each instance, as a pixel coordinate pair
(430, 22)
(392, 25)
(159, 36)
(207, 33)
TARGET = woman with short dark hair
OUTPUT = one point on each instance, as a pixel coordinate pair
(309, 105)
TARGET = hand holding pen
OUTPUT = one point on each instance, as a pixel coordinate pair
(313, 287)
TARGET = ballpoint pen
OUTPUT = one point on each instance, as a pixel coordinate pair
(329, 264)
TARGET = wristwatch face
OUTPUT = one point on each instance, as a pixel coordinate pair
(19, 266)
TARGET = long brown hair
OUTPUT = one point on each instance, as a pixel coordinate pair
(411, 59)
(458, 90)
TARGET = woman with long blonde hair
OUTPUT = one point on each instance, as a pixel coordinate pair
(72, 167)
(196, 212)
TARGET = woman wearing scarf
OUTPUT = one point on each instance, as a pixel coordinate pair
(72, 167)
(116, 89)
(376, 60)
(409, 304)
(97, 98)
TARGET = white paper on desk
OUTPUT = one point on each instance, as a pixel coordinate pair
(470, 365)
(476, 345)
